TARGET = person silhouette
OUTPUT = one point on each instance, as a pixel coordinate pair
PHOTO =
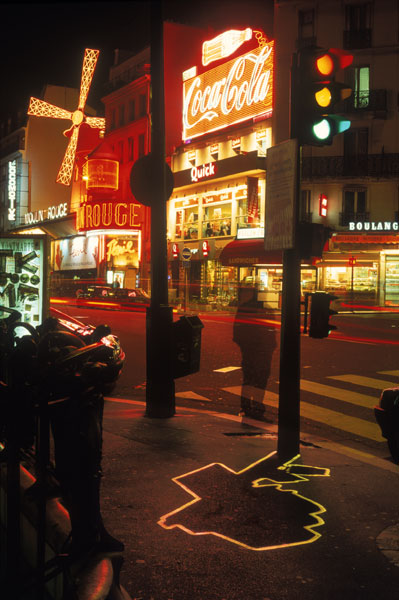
(257, 342)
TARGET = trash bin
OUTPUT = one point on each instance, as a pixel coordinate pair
(186, 343)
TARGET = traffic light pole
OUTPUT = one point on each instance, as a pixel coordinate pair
(290, 353)
(160, 387)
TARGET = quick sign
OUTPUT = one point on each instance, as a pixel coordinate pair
(203, 172)
(235, 91)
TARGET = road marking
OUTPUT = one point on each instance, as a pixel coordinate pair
(377, 384)
(338, 394)
(394, 373)
(192, 396)
(360, 427)
(226, 369)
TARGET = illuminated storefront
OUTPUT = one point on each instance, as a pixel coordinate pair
(361, 266)
(217, 210)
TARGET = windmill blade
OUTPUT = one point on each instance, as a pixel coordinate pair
(97, 122)
(89, 64)
(65, 173)
(40, 108)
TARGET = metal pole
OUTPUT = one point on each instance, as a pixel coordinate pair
(160, 389)
(290, 353)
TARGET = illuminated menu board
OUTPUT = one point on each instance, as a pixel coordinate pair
(23, 270)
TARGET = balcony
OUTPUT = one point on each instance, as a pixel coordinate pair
(373, 101)
(354, 39)
(347, 217)
(371, 165)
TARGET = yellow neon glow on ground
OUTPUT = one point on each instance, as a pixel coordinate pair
(288, 467)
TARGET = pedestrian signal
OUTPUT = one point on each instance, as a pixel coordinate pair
(315, 95)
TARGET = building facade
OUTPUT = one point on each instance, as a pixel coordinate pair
(357, 176)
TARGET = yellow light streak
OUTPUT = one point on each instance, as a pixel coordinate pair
(288, 467)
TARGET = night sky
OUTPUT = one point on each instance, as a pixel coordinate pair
(44, 42)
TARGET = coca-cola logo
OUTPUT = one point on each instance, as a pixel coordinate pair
(235, 91)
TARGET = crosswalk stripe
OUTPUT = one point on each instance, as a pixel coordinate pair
(338, 394)
(395, 373)
(360, 427)
(192, 396)
(226, 369)
(377, 384)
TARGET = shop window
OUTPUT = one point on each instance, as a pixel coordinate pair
(132, 110)
(217, 220)
(354, 207)
(359, 280)
(392, 281)
(130, 148)
(187, 223)
(141, 144)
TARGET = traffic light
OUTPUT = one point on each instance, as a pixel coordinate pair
(320, 313)
(315, 95)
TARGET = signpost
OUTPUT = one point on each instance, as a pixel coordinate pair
(186, 256)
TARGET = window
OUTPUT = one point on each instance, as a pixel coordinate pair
(120, 150)
(132, 110)
(142, 105)
(354, 206)
(357, 32)
(306, 25)
(356, 152)
(361, 87)
(121, 115)
(130, 148)
(141, 144)
(113, 118)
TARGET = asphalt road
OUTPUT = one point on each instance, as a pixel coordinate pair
(341, 376)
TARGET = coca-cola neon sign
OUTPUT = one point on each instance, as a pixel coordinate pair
(232, 92)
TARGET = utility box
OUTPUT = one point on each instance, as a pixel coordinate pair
(186, 343)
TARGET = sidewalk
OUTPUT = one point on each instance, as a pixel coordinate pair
(206, 511)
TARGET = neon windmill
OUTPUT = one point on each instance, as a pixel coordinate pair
(40, 108)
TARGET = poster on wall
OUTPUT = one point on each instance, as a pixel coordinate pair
(23, 273)
(79, 252)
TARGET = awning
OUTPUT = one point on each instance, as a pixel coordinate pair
(364, 239)
(57, 228)
(241, 253)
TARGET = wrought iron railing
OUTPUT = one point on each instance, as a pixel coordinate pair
(347, 217)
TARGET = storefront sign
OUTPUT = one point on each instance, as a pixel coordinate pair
(374, 226)
(252, 199)
(203, 172)
(105, 214)
(12, 189)
(365, 239)
(205, 248)
(251, 233)
(117, 248)
(175, 250)
(233, 92)
(50, 213)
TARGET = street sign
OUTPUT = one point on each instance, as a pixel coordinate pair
(186, 254)
(280, 196)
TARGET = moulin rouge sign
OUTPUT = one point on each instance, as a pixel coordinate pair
(233, 91)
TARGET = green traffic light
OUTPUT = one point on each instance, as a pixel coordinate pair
(322, 129)
(343, 126)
